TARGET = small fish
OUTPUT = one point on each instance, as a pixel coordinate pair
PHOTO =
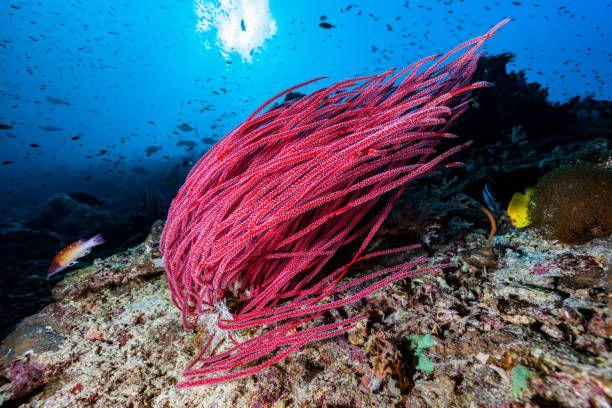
(57, 101)
(49, 128)
(4, 126)
(85, 198)
(185, 127)
(489, 200)
(152, 149)
(326, 25)
(188, 144)
(70, 255)
(518, 209)
(242, 25)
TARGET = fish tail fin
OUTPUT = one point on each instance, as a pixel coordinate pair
(96, 240)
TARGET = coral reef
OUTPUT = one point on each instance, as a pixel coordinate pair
(525, 320)
(67, 216)
(25, 255)
(535, 329)
(29, 247)
(252, 235)
(572, 203)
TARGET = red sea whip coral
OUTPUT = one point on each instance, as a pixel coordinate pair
(250, 234)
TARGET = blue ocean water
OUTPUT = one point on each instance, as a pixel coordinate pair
(117, 98)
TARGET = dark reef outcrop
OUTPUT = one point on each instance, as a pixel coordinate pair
(29, 247)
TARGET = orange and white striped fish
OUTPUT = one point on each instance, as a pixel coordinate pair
(70, 255)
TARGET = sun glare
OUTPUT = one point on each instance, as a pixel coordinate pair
(241, 26)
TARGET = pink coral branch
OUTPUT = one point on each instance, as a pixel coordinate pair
(250, 234)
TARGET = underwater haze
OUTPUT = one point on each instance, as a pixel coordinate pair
(118, 99)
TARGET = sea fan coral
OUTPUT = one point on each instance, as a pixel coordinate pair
(250, 234)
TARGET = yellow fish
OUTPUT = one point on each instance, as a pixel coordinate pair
(518, 209)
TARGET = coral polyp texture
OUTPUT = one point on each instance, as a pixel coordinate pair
(571, 203)
(249, 237)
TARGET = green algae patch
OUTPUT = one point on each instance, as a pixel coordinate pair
(418, 344)
(520, 375)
